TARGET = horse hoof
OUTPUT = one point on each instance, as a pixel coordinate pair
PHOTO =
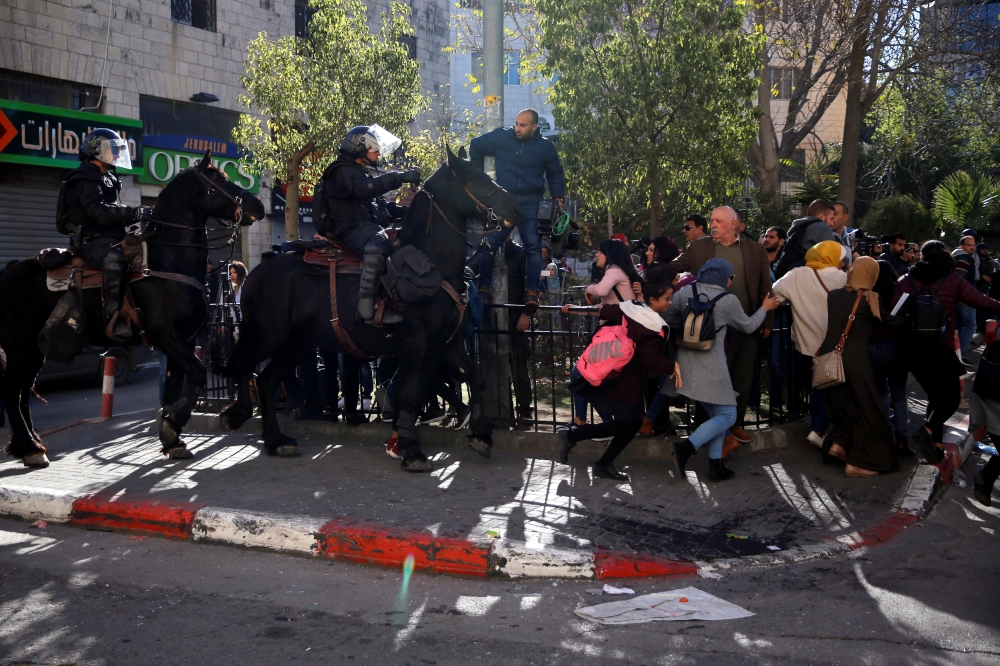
(179, 453)
(288, 451)
(417, 464)
(479, 446)
(37, 461)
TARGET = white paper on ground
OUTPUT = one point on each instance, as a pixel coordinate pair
(708, 573)
(611, 589)
(664, 606)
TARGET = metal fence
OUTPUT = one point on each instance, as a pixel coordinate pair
(540, 359)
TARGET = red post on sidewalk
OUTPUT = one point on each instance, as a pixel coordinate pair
(108, 390)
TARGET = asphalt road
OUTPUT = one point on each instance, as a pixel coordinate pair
(71, 596)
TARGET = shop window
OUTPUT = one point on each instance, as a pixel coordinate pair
(196, 13)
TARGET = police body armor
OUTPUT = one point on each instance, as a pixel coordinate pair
(89, 210)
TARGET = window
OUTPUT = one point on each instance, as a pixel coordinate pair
(303, 14)
(410, 42)
(196, 13)
(20, 87)
(783, 81)
(512, 68)
(165, 116)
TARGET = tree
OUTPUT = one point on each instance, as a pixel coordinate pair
(311, 91)
(651, 95)
(891, 39)
(962, 201)
(804, 62)
(445, 127)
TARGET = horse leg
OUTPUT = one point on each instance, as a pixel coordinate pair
(236, 414)
(276, 442)
(185, 381)
(412, 356)
(19, 377)
(481, 439)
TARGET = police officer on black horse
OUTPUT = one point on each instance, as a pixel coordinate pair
(89, 209)
(349, 207)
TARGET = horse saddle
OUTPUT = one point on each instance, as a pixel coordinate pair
(60, 263)
(321, 250)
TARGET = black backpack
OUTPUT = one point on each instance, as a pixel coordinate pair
(321, 209)
(928, 320)
(698, 328)
(793, 254)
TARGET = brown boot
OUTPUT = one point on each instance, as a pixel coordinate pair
(530, 302)
(729, 444)
(741, 435)
(647, 428)
(858, 473)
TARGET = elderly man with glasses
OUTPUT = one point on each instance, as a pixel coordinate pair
(751, 285)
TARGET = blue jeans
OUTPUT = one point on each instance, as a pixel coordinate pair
(965, 322)
(715, 429)
(532, 242)
(890, 379)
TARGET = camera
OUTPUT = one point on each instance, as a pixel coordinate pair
(863, 244)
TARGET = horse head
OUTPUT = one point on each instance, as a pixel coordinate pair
(224, 199)
(474, 194)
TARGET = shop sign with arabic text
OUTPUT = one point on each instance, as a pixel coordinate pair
(50, 136)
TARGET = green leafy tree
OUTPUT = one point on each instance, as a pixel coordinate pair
(444, 127)
(962, 200)
(652, 95)
(901, 214)
(311, 91)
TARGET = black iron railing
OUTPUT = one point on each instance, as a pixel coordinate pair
(540, 359)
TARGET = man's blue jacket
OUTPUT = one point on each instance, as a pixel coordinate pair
(521, 166)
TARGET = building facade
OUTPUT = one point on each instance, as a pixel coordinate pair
(170, 71)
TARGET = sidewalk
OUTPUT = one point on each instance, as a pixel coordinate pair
(777, 501)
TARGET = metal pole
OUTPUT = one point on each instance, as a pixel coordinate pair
(611, 226)
(496, 350)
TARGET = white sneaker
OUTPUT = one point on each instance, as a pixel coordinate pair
(340, 403)
(815, 438)
(366, 404)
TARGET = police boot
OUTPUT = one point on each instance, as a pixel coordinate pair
(372, 268)
(114, 276)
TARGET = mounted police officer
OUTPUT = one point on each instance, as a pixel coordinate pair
(349, 207)
(90, 210)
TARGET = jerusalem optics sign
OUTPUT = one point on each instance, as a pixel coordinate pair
(169, 154)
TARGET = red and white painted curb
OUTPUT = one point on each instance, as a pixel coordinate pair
(372, 543)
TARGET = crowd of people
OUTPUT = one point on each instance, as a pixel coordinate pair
(889, 307)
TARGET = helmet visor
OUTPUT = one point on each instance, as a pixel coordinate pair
(115, 152)
(387, 141)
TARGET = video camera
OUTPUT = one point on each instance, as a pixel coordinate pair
(559, 224)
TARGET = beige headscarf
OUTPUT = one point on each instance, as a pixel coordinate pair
(861, 276)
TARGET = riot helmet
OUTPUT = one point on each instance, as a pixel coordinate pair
(106, 146)
(363, 138)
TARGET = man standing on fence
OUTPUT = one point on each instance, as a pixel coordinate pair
(524, 161)
(751, 285)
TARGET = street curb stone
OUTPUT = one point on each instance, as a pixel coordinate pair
(372, 543)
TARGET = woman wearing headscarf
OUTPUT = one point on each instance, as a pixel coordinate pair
(708, 382)
(933, 362)
(805, 289)
(860, 434)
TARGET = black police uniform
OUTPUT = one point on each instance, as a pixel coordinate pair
(358, 212)
(90, 205)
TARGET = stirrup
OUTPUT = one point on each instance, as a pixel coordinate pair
(117, 336)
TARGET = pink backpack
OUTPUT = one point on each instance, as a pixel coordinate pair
(607, 354)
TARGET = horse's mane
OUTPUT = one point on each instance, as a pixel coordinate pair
(168, 195)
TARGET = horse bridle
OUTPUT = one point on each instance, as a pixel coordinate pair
(482, 207)
(213, 189)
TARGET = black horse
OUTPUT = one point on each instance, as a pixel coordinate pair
(173, 309)
(287, 311)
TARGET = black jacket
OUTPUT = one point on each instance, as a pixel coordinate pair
(522, 166)
(354, 199)
(89, 199)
